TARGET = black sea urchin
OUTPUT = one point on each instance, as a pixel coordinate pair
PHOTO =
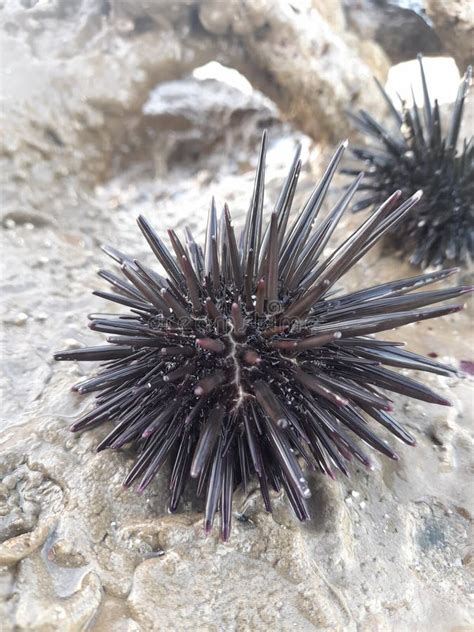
(244, 359)
(419, 154)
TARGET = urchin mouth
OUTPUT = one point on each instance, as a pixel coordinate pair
(236, 349)
(240, 356)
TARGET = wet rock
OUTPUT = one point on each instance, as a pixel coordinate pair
(386, 550)
(264, 563)
(49, 600)
(24, 494)
(382, 550)
(15, 549)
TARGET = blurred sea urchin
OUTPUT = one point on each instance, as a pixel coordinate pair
(244, 360)
(420, 151)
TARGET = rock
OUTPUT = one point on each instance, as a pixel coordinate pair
(453, 21)
(401, 32)
(290, 53)
(112, 559)
(62, 72)
(107, 57)
(367, 48)
(189, 121)
(79, 551)
(19, 508)
(48, 601)
(15, 549)
(271, 581)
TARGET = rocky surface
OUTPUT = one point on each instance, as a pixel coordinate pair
(454, 23)
(386, 550)
(404, 28)
(290, 52)
(400, 30)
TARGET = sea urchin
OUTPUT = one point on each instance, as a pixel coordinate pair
(418, 153)
(243, 360)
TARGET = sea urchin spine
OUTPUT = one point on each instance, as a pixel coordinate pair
(244, 360)
(418, 153)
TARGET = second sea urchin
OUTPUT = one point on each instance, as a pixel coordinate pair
(244, 360)
(420, 151)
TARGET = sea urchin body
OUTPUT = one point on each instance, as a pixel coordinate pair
(243, 361)
(420, 152)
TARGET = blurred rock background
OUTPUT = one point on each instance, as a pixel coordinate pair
(114, 108)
